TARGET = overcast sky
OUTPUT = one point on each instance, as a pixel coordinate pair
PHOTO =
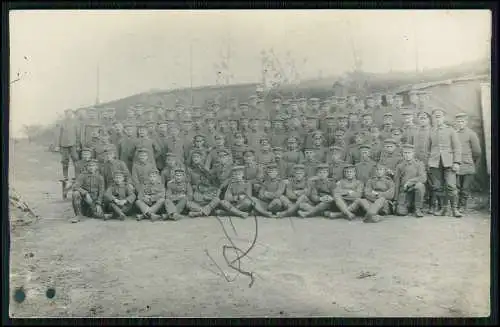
(142, 50)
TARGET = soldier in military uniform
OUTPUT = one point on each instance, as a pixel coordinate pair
(171, 162)
(293, 155)
(238, 198)
(278, 134)
(209, 132)
(353, 153)
(82, 163)
(366, 121)
(422, 138)
(320, 151)
(320, 193)
(196, 171)
(69, 142)
(151, 197)
(396, 109)
(340, 141)
(297, 191)
(143, 141)
(126, 147)
(111, 165)
(444, 163)
(141, 167)
(119, 197)
(310, 127)
(88, 193)
(365, 166)
(310, 162)
(221, 172)
(387, 126)
(198, 145)
(271, 195)
(278, 159)
(103, 144)
(175, 140)
(212, 158)
(471, 153)
(397, 135)
(179, 193)
(254, 173)
(379, 192)
(376, 143)
(410, 181)
(253, 135)
(265, 155)
(409, 129)
(206, 198)
(390, 157)
(337, 162)
(329, 129)
(238, 148)
(346, 193)
(160, 146)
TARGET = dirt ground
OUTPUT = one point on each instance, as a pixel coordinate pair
(434, 266)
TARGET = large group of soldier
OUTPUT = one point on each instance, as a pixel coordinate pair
(339, 157)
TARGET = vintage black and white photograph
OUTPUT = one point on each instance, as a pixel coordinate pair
(249, 163)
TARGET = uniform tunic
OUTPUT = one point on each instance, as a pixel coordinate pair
(265, 158)
(140, 172)
(176, 145)
(146, 142)
(161, 149)
(155, 192)
(212, 158)
(471, 151)
(422, 139)
(108, 168)
(386, 131)
(320, 187)
(390, 160)
(126, 150)
(337, 170)
(344, 185)
(382, 185)
(272, 189)
(444, 145)
(320, 154)
(310, 167)
(295, 189)
(177, 190)
(69, 134)
(291, 158)
(91, 183)
(364, 170)
(409, 135)
(409, 171)
(100, 151)
(120, 192)
(235, 189)
(237, 153)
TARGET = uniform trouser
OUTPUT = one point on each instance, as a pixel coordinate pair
(208, 206)
(372, 208)
(239, 207)
(278, 204)
(314, 209)
(150, 207)
(85, 205)
(443, 182)
(346, 205)
(301, 203)
(119, 210)
(176, 206)
(464, 183)
(415, 195)
(66, 153)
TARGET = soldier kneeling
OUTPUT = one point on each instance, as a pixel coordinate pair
(379, 191)
(410, 183)
(119, 197)
(151, 197)
(88, 192)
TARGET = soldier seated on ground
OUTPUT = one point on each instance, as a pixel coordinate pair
(171, 162)
(337, 163)
(271, 198)
(111, 165)
(379, 192)
(151, 197)
(364, 168)
(320, 193)
(88, 193)
(141, 168)
(254, 173)
(119, 197)
(410, 183)
(390, 157)
(179, 192)
(238, 198)
(297, 191)
(206, 198)
(293, 155)
(347, 191)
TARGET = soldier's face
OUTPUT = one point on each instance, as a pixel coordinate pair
(187, 125)
(424, 120)
(339, 137)
(353, 118)
(408, 119)
(358, 139)
(311, 123)
(174, 130)
(92, 168)
(249, 159)
(238, 139)
(244, 123)
(365, 154)
(179, 176)
(388, 120)
(238, 175)
(398, 102)
(119, 179)
(439, 118)
(198, 142)
(272, 173)
(299, 174)
(396, 135)
(278, 154)
(349, 173)
(315, 106)
(367, 120)
(252, 102)
(170, 161)
(139, 112)
(390, 148)
(219, 141)
(253, 125)
(302, 105)
(110, 156)
(380, 171)
(322, 173)
(375, 133)
(330, 123)
(278, 124)
(162, 128)
(224, 158)
(460, 123)
(95, 134)
(223, 124)
(267, 124)
(309, 155)
(233, 125)
(336, 155)
(86, 155)
(264, 145)
(378, 100)
(389, 99)
(211, 124)
(413, 98)
(142, 131)
(197, 123)
(317, 141)
(351, 100)
(408, 154)
(196, 158)
(292, 144)
(370, 103)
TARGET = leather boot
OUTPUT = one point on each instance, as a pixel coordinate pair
(77, 207)
(65, 168)
(436, 205)
(445, 211)
(454, 207)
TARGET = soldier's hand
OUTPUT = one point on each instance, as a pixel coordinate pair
(98, 209)
(455, 167)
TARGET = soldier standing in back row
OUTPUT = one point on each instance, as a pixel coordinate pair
(444, 163)
(69, 142)
(471, 152)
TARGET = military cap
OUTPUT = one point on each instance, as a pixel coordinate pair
(196, 151)
(388, 114)
(238, 168)
(223, 151)
(252, 97)
(314, 99)
(148, 109)
(352, 95)
(198, 136)
(86, 149)
(308, 148)
(340, 130)
(322, 166)
(109, 148)
(295, 137)
(349, 166)
(162, 122)
(397, 129)
(276, 100)
(151, 122)
(171, 154)
(461, 115)
(342, 116)
(179, 169)
(196, 117)
(143, 149)
(365, 146)
(423, 113)
(369, 97)
(276, 148)
(118, 172)
(330, 116)
(92, 161)
(408, 146)
(218, 136)
(299, 166)
(272, 165)
(259, 100)
(264, 137)
(353, 113)
(141, 125)
(435, 110)
(365, 114)
(317, 133)
(187, 119)
(389, 141)
(406, 112)
(309, 116)
(247, 151)
(286, 102)
(380, 165)
(337, 148)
